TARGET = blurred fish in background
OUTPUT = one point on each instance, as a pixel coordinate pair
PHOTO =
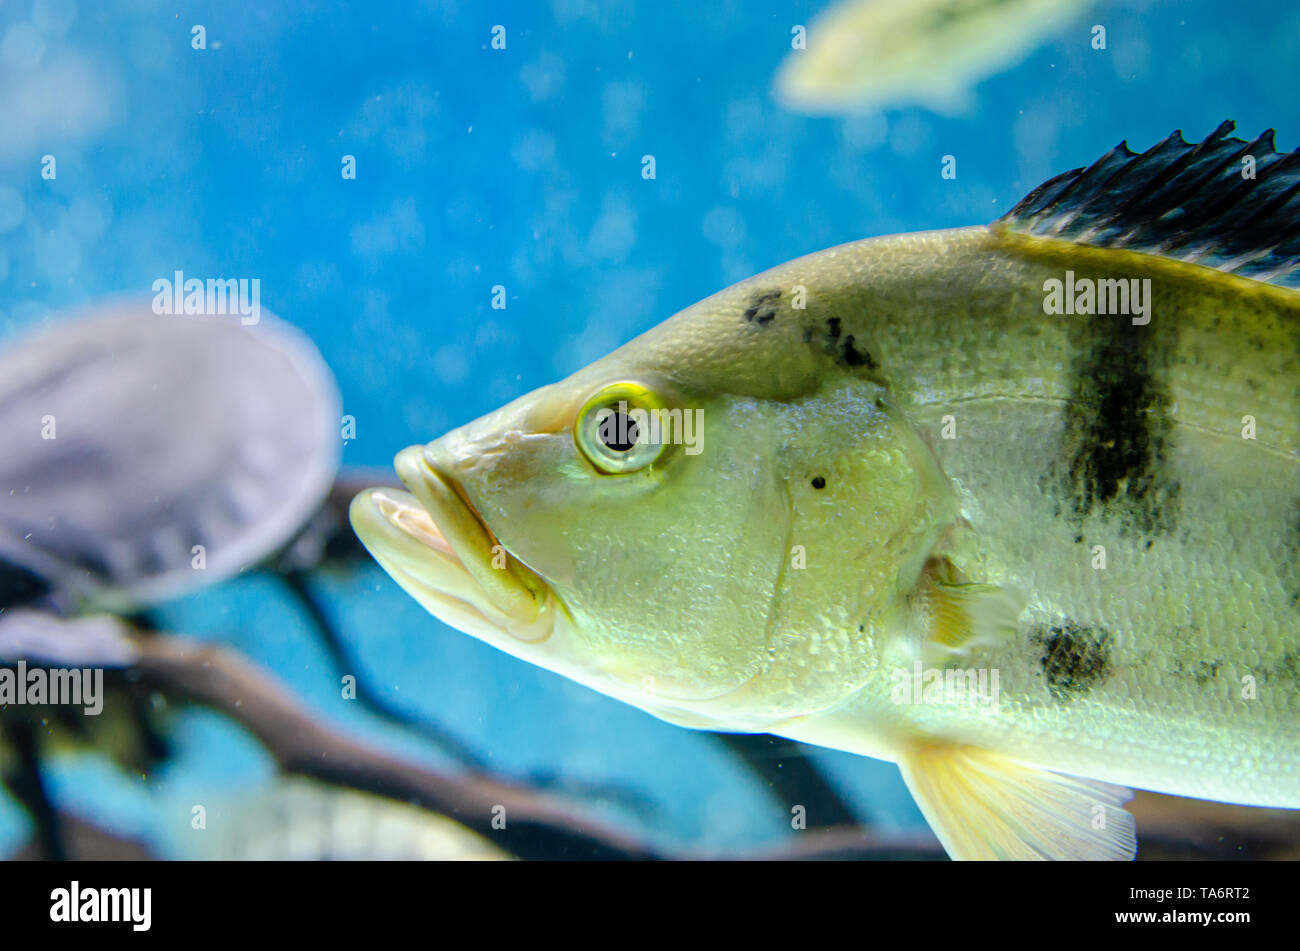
(864, 55)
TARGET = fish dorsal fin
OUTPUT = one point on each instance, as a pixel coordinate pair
(1222, 203)
(984, 806)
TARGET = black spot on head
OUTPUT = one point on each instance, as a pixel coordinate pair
(845, 350)
(1075, 659)
(762, 307)
(818, 482)
(855, 358)
(1115, 450)
(1078, 539)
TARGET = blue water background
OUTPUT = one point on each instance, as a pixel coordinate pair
(520, 167)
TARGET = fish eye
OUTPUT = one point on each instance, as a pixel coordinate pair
(617, 428)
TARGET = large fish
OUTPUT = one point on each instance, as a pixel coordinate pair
(1016, 507)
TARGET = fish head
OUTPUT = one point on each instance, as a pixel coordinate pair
(565, 531)
(631, 527)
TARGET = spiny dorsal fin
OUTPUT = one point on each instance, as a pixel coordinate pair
(1179, 200)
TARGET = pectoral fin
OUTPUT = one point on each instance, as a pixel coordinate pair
(962, 615)
(982, 805)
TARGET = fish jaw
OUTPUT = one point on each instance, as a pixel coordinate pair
(435, 545)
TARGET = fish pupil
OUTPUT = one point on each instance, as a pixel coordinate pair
(618, 432)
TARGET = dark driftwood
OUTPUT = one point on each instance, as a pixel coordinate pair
(27, 785)
(535, 826)
(345, 661)
(1171, 827)
(87, 842)
(783, 766)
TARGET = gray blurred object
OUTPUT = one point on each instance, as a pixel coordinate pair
(169, 432)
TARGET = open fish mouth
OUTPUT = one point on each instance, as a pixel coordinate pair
(438, 548)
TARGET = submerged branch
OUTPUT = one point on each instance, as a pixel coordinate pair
(346, 662)
(535, 827)
(27, 784)
(791, 778)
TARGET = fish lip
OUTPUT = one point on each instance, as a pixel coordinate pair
(436, 544)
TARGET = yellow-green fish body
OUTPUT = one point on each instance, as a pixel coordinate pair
(923, 518)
